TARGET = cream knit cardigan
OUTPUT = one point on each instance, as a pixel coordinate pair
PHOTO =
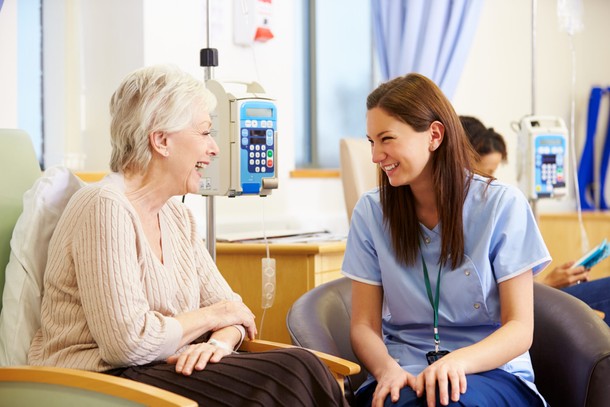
(108, 301)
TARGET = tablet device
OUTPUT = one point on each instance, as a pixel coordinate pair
(594, 256)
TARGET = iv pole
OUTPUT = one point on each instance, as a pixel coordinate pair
(534, 201)
(208, 58)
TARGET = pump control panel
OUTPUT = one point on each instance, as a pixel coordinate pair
(257, 127)
(543, 166)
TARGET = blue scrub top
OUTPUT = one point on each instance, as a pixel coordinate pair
(502, 241)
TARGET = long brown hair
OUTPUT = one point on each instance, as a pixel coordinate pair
(417, 101)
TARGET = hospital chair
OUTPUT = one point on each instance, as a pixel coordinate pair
(570, 351)
(571, 347)
(28, 385)
(358, 172)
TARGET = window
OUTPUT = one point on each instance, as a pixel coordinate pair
(29, 66)
(337, 75)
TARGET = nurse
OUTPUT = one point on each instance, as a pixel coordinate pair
(441, 261)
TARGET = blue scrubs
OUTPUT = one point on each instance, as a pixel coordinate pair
(502, 241)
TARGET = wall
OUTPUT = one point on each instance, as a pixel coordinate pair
(86, 58)
(8, 67)
(88, 48)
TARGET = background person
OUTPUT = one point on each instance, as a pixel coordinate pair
(129, 287)
(441, 260)
(488, 144)
(491, 149)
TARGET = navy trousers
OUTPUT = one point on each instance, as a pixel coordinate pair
(595, 293)
(495, 388)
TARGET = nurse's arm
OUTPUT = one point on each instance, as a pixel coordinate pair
(365, 329)
(367, 342)
(515, 335)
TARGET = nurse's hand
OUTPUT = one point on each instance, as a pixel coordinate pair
(390, 383)
(445, 373)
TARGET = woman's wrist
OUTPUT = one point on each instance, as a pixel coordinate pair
(220, 344)
(242, 334)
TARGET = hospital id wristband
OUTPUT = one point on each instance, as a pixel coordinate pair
(221, 344)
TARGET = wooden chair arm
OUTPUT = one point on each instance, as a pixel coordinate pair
(339, 367)
(90, 176)
(123, 389)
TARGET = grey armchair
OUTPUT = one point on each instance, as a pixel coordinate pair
(570, 352)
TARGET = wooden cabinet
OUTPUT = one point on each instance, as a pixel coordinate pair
(302, 266)
(299, 268)
(561, 233)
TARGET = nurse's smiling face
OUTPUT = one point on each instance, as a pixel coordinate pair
(401, 152)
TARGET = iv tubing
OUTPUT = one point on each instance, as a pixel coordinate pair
(584, 242)
(260, 330)
(534, 7)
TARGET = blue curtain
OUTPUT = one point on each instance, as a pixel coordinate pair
(431, 37)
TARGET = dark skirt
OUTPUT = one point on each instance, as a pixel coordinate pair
(284, 377)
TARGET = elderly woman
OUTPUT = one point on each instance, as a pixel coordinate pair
(129, 287)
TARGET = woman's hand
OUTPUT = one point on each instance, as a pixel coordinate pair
(450, 377)
(197, 356)
(565, 275)
(214, 318)
(390, 383)
(228, 313)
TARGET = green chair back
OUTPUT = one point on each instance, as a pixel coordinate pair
(19, 168)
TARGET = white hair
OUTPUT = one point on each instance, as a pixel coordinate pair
(156, 98)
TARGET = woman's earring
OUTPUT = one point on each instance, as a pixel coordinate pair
(166, 153)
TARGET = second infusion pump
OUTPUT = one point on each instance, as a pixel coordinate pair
(244, 126)
(543, 163)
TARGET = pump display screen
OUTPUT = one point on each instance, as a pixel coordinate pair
(258, 132)
(550, 141)
(549, 158)
(259, 112)
(257, 140)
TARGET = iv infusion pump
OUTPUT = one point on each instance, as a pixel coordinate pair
(244, 125)
(543, 159)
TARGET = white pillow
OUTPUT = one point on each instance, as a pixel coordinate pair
(43, 204)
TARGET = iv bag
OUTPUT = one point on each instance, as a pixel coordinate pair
(569, 15)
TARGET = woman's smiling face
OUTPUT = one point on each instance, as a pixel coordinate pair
(191, 150)
(401, 152)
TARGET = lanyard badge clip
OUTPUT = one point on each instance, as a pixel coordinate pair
(435, 355)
